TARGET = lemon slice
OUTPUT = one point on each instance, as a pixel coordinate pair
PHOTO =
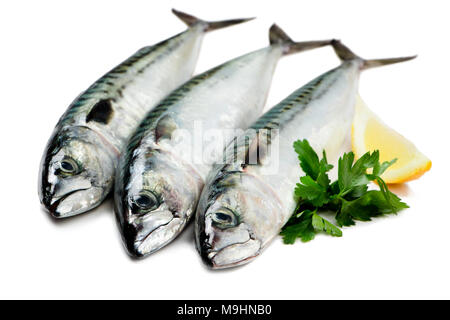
(369, 133)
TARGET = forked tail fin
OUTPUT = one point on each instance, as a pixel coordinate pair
(345, 54)
(278, 36)
(209, 25)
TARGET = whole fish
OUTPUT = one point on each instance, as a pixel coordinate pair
(160, 179)
(78, 165)
(245, 203)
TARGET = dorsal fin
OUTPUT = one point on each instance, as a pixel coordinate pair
(258, 147)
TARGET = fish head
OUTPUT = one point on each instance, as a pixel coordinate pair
(236, 216)
(76, 172)
(155, 196)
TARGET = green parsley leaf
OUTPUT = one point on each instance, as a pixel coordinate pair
(313, 187)
(299, 228)
(305, 226)
(370, 205)
(309, 161)
(354, 175)
(311, 191)
(320, 224)
(379, 169)
(349, 196)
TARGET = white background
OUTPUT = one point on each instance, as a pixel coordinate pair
(52, 50)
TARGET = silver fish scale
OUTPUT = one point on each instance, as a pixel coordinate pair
(110, 85)
(160, 169)
(149, 121)
(258, 195)
(283, 112)
(93, 131)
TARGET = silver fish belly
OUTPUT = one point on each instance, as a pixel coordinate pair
(78, 165)
(161, 176)
(245, 204)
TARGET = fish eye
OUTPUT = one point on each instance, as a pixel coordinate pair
(145, 201)
(224, 218)
(69, 166)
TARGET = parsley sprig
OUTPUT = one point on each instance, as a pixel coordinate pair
(348, 197)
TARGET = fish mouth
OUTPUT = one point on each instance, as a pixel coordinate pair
(233, 255)
(52, 204)
(144, 239)
(73, 202)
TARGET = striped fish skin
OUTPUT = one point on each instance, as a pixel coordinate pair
(244, 205)
(159, 180)
(78, 165)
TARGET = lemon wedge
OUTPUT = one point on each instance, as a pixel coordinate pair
(369, 133)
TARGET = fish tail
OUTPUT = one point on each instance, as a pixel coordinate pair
(345, 54)
(278, 37)
(191, 21)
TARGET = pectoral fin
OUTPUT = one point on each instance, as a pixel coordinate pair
(101, 112)
(165, 127)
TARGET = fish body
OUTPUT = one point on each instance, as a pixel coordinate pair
(245, 204)
(78, 165)
(161, 175)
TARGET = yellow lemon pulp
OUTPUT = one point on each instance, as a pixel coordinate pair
(369, 133)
